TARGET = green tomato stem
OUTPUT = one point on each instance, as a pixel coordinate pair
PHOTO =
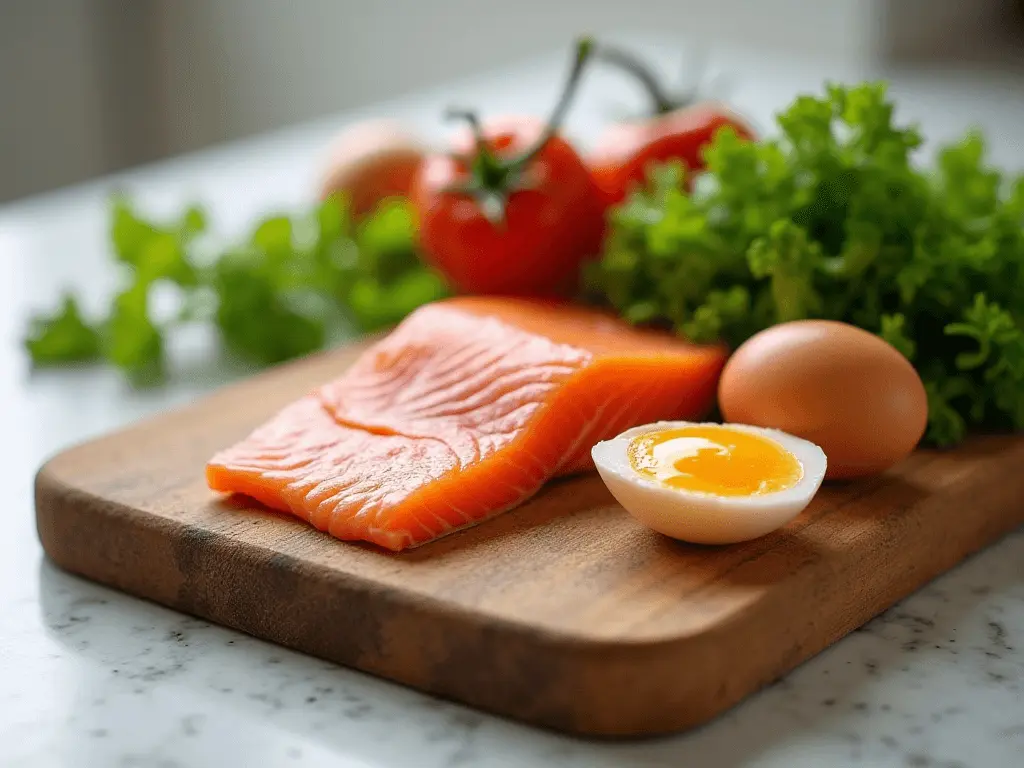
(493, 179)
(584, 50)
(473, 119)
(662, 102)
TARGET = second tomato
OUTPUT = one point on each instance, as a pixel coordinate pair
(676, 128)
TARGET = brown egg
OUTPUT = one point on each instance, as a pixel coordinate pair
(369, 162)
(834, 384)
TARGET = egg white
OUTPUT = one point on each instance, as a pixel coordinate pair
(707, 518)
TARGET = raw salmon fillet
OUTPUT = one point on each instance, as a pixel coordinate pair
(464, 411)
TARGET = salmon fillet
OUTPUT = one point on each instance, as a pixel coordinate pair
(464, 411)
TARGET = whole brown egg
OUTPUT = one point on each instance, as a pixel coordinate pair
(839, 386)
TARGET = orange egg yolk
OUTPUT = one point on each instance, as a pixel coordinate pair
(716, 460)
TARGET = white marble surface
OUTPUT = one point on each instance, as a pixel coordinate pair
(90, 677)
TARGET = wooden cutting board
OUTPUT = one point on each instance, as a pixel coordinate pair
(564, 613)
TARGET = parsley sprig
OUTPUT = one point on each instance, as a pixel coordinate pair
(833, 219)
(278, 294)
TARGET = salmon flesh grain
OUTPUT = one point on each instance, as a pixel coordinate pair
(462, 412)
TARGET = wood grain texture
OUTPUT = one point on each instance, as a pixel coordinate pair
(563, 613)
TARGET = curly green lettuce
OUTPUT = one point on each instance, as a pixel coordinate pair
(833, 219)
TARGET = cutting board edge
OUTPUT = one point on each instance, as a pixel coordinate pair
(581, 663)
(580, 657)
(161, 587)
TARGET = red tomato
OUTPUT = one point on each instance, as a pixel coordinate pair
(621, 156)
(552, 219)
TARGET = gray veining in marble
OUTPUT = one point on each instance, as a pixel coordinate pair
(936, 681)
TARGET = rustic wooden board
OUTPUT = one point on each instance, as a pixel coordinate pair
(564, 613)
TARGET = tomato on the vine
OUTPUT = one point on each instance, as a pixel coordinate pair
(513, 209)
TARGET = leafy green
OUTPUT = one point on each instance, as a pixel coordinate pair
(263, 315)
(834, 219)
(389, 279)
(155, 252)
(63, 337)
(133, 342)
(281, 292)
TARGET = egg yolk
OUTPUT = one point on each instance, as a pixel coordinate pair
(717, 460)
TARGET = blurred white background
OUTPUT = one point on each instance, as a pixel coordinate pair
(91, 86)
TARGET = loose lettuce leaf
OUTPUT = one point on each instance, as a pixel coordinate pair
(834, 219)
(287, 288)
(63, 337)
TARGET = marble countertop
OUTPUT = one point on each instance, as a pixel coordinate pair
(91, 677)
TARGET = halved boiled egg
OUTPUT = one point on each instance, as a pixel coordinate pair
(710, 483)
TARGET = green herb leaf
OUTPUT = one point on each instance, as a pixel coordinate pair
(133, 343)
(894, 331)
(281, 293)
(834, 219)
(259, 316)
(64, 337)
(153, 251)
(375, 306)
